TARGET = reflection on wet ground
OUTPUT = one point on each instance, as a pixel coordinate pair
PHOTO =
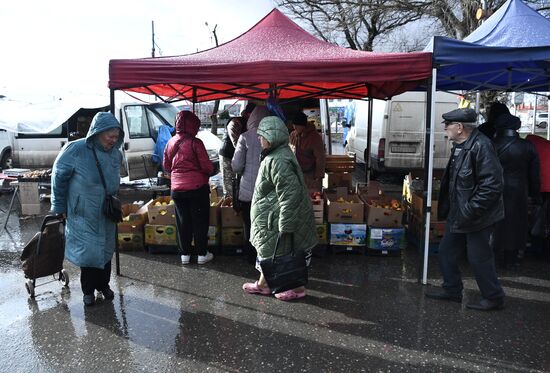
(361, 314)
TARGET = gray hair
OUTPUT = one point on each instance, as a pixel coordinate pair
(469, 125)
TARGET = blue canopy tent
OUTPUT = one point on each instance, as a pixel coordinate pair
(510, 51)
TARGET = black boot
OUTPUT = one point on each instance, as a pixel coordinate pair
(108, 293)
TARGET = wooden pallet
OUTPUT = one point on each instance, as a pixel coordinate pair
(340, 163)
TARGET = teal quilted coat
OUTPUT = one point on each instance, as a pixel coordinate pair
(280, 202)
(77, 191)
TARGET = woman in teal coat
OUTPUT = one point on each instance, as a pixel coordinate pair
(78, 193)
(281, 209)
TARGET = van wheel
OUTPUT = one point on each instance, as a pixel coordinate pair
(6, 161)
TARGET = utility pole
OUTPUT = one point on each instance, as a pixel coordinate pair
(153, 38)
(214, 116)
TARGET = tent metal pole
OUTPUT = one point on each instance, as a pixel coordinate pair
(194, 98)
(548, 118)
(366, 153)
(117, 254)
(428, 173)
(324, 102)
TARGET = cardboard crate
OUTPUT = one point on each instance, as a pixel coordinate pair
(322, 230)
(131, 241)
(340, 163)
(416, 228)
(380, 216)
(337, 179)
(30, 208)
(348, 234)
(318, 210)
(28, 193)
(344, 212)
(161, 214)
(229, 218)
(232, 236)
(214, 213)
(386, 239)
(417, 206)
(164, 235)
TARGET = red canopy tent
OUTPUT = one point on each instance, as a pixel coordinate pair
(275, 57)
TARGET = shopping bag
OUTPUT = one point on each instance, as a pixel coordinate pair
(285, 272)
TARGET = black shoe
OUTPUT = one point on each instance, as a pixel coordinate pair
(487, 304)
(89, 299)
(108, 294)
(441, 294)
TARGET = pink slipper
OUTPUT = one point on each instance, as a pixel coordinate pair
(254, 288)
(290, 295)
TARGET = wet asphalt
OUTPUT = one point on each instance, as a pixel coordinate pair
(361, 313)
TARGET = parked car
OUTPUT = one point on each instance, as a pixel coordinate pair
(542, 120)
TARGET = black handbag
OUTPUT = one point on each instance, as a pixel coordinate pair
(285, 272)
(112, 207)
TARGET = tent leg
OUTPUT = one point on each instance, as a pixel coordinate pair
(117, 258)
(428, 171)
(366, 154)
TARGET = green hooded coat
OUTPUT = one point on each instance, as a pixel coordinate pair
(280, 203)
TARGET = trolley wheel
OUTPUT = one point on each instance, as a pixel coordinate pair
(64, 277)
(30, 288)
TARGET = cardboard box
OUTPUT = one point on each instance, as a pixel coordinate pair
(229, 218)
(337, 179)
(417, 205)
(232, 236)
(131, 241)
(322, 234)
(387, 239)
(348, 234)
(28, 193)
(214, 212)
(351, 211)
(30, 208)
(160, 235)
(340, 163)
(163, 214)
(318, 210)
(130, 231)
(416, 229)
(381, 217)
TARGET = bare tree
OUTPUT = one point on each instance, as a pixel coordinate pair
(352, 23)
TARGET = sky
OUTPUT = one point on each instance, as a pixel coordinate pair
(62, 47)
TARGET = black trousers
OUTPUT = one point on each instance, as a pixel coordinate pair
(249, 250)
(92, 279)
(192, 213)
(480, 256)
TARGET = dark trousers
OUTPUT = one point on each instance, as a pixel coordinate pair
(95, 278)
(192, 213)
(248, 248)
(480, 256)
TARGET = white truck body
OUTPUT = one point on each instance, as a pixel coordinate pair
(398, 132)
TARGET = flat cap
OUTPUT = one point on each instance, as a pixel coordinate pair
(460, 115)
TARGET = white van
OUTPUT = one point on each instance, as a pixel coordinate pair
(398, 132)
(6, 139)
(140, 122)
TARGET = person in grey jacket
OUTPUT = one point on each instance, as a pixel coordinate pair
(471, 200)
(246, 162)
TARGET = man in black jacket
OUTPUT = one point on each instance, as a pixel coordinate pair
(471, 201)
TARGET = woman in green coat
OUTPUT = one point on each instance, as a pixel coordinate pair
(281, 209)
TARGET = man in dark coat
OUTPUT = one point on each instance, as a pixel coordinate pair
(471, 201)
(520, 164)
